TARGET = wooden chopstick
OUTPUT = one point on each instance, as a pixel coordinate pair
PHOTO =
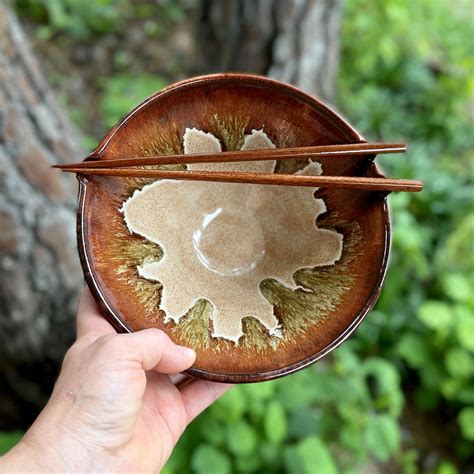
(349, 182)
(310, 152)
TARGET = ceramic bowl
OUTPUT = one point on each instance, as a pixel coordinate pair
(339, 296)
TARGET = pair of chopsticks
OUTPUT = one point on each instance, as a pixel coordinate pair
(124, 167)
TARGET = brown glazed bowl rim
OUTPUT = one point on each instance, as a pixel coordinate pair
(121, 326)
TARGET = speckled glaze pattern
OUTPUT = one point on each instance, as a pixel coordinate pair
(229, 105)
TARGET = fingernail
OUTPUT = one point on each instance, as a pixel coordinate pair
(186, 351)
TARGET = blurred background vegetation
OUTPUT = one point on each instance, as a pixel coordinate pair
(399, 395)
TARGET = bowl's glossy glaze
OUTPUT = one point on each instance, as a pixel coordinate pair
(292, 119)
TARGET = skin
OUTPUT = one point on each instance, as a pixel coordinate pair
(115, 406)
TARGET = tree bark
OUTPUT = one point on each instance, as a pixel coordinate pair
(295, 41)
(40, 274)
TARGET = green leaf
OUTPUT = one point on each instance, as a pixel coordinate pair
(446, 468)
(386, 387)
(457, 286)
(124, 92)
(465, 327)
(208, 460)
(459, 362)
(436, 315)
(408, 461)
(241, 438)
(270, 453)
(432, 374)
(307, 420)
(466, 422)
(382, 436)
(310, 456)
(214, 431)
(260, 391)
(456, 254)
(257, 395)
(450, 388)
(350, 439)
(301, 392)
(8, 440)
(413, 349)
(275, 423)
(178, 460)
(231, 406)
(247, 464)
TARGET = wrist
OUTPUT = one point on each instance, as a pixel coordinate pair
(51, 445)
(62, 441)
(22, 458)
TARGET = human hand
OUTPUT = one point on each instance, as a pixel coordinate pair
(113, 407)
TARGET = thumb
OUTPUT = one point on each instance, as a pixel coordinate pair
(153, 349)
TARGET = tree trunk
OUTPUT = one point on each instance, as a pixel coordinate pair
(40, 274)
(295, 41)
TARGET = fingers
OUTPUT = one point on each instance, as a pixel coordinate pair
(178, 379)
(152, 348)
(163, 398)
(181, 380)
(199, 394)
(155, 350)
(89, 319)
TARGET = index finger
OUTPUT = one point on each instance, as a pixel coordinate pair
(89, 320)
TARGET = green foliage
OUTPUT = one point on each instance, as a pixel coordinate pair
(75, 17)
(382, 436)
(446, 468)
(241, 439)
(322, 417)
(82, 20)
(122, 93)
(8, 440)
(412, 80)
(275, 423)
(209, 460)
(309, 455)
(466, 420)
